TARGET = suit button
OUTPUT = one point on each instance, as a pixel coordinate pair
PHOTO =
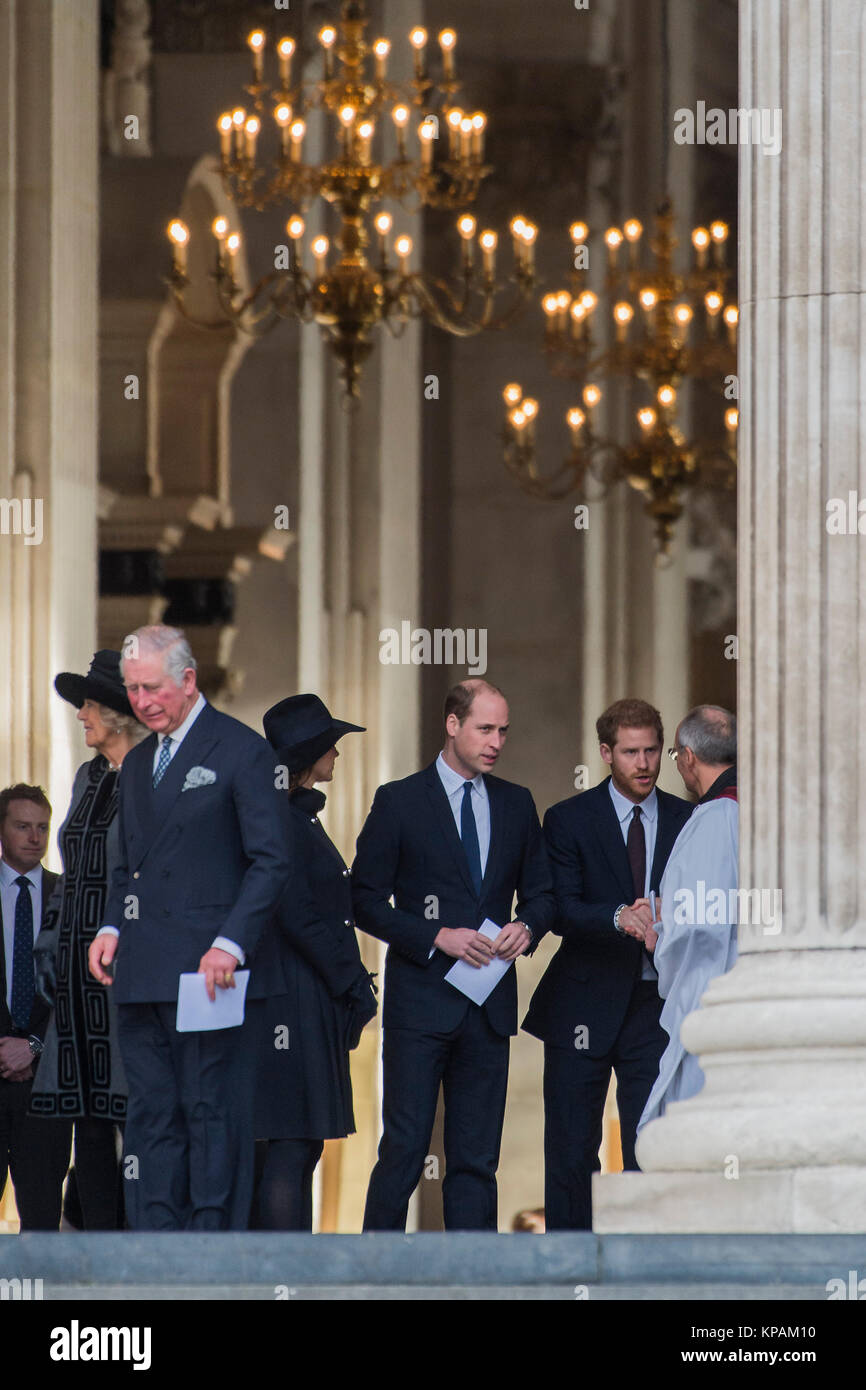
(346, 873)
(136, 874)
(347, 922)
(314, 820)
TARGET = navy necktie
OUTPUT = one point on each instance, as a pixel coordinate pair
(23, 978)
(636, 848)
(469, 836)
(162, 761)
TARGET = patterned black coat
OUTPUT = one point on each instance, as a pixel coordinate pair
(80, 1071)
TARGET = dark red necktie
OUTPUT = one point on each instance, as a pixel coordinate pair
(636, 846)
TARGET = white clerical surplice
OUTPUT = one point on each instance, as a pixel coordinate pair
(697, 937)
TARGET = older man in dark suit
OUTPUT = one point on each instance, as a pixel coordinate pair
(35, 1151)
(206, 853)
(597, 1005)
(453, 845)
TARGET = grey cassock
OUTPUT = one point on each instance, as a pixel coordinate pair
(697, 938)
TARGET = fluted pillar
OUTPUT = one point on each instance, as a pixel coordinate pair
(775, 1140)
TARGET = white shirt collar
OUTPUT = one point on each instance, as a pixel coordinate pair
(179, 734)
(8, 875)
(623, 807)
(452, 781)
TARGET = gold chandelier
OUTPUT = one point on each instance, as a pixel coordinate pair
(667, 328)
(373, 155)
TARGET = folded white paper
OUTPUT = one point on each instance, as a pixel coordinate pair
(196, 1013)
(477, 982)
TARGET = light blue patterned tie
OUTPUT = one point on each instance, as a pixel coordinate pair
(162, 761)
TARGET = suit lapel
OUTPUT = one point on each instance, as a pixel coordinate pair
(610, 838)
(160, 801)
(495, 800)
(445, 820)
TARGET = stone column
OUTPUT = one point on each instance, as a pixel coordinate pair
(774, 1141)
(48, 247)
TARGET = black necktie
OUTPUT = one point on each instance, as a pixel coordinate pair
(469, 836)
(23, 977)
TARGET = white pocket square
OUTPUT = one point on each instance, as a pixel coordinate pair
(198, 777)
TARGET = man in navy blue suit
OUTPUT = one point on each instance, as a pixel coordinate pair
(597, 1006)
(453, 845)
(205, 855)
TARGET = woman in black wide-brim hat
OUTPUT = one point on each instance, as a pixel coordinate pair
(303, 1086)
(80, 1074)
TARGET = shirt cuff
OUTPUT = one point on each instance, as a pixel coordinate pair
(222, 943)
(108, 931)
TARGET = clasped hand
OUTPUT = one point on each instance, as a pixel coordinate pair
(638, 921)
(476, 949)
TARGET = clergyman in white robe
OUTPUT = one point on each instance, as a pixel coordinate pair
(697, 938)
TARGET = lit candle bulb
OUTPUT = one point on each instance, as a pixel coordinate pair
(251, 130)
(239, 117)
(529, 406)
(466, 227)
(576, 420)
(623, 314)
(233, 246)
(646, 418)
(400, 117)
(327, 38)
(283, 118)
(447, 43)
(589, 300)
(178, 233)
(295, 229)
(666, 397)
(633, 231)
(578, 232)
(528, 237)
(285, 53)
(225, 126)
(517, 225)
(732, 420)
(319, 248)
(550, 305)
(518, 418)
(591, 396)
(613, 240)
(577, 314)
(719, 234)
(347, 120)
(453, 118)
(466, 137)
(648, 301)
(297, 131)
(383, 225)
(381, 49)
(488, 242)
(220, 229)
(365, 136)
(256, 41)
(418, 40)
(713, 303)
(732, 318)
(683, 315)
(426, 135)
(700, 241)
(563, 304)
(479, 123)
(403, 248)
(512, 393)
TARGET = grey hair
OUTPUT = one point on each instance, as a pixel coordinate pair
(159, 638)
(118, 723)
(711, 733)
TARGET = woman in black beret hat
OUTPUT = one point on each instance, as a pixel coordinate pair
(303, 1087)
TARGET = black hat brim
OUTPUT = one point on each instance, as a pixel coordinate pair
(300, 756)
(76, 689)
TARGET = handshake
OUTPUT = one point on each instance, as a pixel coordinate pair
(640, 920)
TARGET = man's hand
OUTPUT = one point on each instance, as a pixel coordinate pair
(512, 941)
(101, 953)
(637, 919)
(651, 938)
(464, 944)
(16, 1059)
(218, 968)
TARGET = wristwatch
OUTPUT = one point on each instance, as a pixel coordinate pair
(36, 1045)
(526, 927)
(616, 916)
